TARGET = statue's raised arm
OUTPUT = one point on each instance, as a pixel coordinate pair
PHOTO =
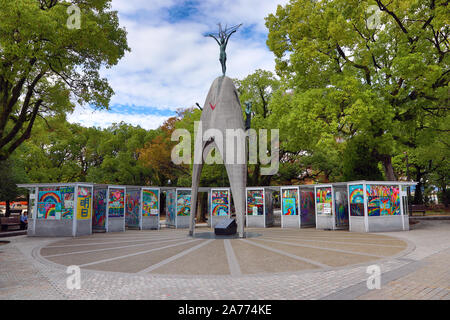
(233, 30)
(214, 37)
(222, 40)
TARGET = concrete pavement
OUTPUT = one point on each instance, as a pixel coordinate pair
(281, 264)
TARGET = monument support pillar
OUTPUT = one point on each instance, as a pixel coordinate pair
(222, 111)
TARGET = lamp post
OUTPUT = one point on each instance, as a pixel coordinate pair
(408, 188)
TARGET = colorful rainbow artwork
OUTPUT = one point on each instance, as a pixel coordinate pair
(356, 200)
(66, 213)
(220, 210)
(341, 205)
(290, 202)
(99, 215)
(183, 203)
(307, 208)
(116, 203)
(49, 205)
(383, 200)
(67, 197)
(170, 207)
(219, 203)
(289, 207)
(255, 202)
(50, 196)
(132, 210)
(84, 201)
(150, 205)
(324, 195)
(356, 194)
(324, 201)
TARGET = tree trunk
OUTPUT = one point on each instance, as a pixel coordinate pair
(445, 195)
(388, 168)
(8, 209)
(418, 195)
(199, 208)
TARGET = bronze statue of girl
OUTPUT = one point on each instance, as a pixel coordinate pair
(222, 40)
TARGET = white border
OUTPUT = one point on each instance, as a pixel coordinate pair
(349, 211)
(35, 208)
(349, 204)
(107, 204)
(399, 185)
(176, 204)
(332, 202)
(75, 211)
(401, 206)
(366, 209)
(298, 203)
(334, 189)
(246, 203)
(142, 201)
(130, 189)
(210, 201)
(76, 204)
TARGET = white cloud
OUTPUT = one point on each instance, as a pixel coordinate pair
(172, 64)
(88, 117)
(241, 11)
(133, 6)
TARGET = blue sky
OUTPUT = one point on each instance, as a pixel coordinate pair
(171, 64)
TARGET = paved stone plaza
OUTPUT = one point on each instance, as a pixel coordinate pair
(272, 264)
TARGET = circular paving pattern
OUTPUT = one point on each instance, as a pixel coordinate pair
(173, 252)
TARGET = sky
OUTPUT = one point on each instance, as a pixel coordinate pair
(172, 64)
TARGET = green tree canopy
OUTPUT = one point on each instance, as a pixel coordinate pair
(258, 89)
(46, 66)
(387, 81)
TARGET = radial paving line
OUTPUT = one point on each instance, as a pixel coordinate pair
(118, 242)
(320, 233)
(175, 257)
(336, 242)
(321, 265)
(322, 248)
(233, 264)
(105, 249)
(333, 236)
(136, 254)
(357, 290)
(128, 238)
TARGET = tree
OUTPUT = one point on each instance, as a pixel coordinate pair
(307, 139)
(427, 161)
(387, 82)
(11, 173)
(258, 89)
(118, 153)
(359, 162)
(157, 154)
(60, 152)
(46, 65)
